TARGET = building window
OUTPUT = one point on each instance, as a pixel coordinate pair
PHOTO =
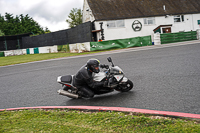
(149, 21)
(115, 24)
(179, 18)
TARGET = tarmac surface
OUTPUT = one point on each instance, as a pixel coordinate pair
(166, 78)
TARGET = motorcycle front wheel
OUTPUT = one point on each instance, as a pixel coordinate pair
(125, 87)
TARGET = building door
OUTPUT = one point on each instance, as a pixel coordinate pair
(166, 30)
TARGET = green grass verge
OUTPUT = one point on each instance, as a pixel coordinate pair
(78, 121)
(10, 60)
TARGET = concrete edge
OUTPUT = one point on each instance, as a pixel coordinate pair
(120, 109)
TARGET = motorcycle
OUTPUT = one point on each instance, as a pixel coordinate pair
(112, 74)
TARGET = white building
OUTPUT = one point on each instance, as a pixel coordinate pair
(119, 19)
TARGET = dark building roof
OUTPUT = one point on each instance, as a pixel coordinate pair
(122, 9)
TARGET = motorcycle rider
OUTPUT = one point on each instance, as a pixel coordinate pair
(83, 80)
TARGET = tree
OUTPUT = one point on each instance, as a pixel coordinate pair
(20, 24)
(75, 17)
(47, 30)
(1, 33)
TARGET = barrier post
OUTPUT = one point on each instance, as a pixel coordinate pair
(198, 34)
(5, 43)
(157, 39)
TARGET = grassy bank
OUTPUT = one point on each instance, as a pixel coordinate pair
(79, 121)
(10, 60)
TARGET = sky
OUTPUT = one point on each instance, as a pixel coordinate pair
(48, 13)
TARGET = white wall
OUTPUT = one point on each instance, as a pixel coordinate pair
(48, 49)
(194, 19)
(79, 47)
(15, 52)
(190, 23)
(87, 13)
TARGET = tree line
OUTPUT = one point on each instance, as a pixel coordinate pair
(10, 25)
(75, 17)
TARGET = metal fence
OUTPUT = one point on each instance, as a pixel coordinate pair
(79, 34)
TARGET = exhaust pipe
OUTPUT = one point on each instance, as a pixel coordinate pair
(66, 93)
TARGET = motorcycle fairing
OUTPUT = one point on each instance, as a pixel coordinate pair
(118, 77)
(116, 70)
(124, 79)
(99, 76)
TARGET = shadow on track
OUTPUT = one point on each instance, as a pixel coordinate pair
(114, 99)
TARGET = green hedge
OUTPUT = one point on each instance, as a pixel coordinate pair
(64, 48)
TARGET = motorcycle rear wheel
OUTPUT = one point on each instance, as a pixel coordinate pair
(125, 87)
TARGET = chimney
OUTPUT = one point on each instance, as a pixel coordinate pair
(164, 7)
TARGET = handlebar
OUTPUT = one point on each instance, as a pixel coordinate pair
(104, 66)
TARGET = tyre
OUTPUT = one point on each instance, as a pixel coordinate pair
(125, 87)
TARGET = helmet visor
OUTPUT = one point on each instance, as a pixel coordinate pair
(96, 69)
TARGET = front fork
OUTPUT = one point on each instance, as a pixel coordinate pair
(116, 80)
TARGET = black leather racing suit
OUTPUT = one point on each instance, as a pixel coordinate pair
(83, 80)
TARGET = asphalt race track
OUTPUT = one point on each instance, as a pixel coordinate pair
(166, 78)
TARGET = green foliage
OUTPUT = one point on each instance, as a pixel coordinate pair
(98, 122)
(1, 33)
(11, 25)
(64, 48)
(75, 17)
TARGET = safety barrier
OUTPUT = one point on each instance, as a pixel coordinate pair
(38, 50)
(15, 52)
(158, 39)
(198, 34)
(2, 54)
(79, 47)
(121, 43)
(41, 50)
(178, 37)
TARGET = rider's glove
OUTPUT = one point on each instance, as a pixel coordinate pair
(104, 66)
(101, 65)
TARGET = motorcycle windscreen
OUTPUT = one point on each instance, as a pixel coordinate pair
(116, 70)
